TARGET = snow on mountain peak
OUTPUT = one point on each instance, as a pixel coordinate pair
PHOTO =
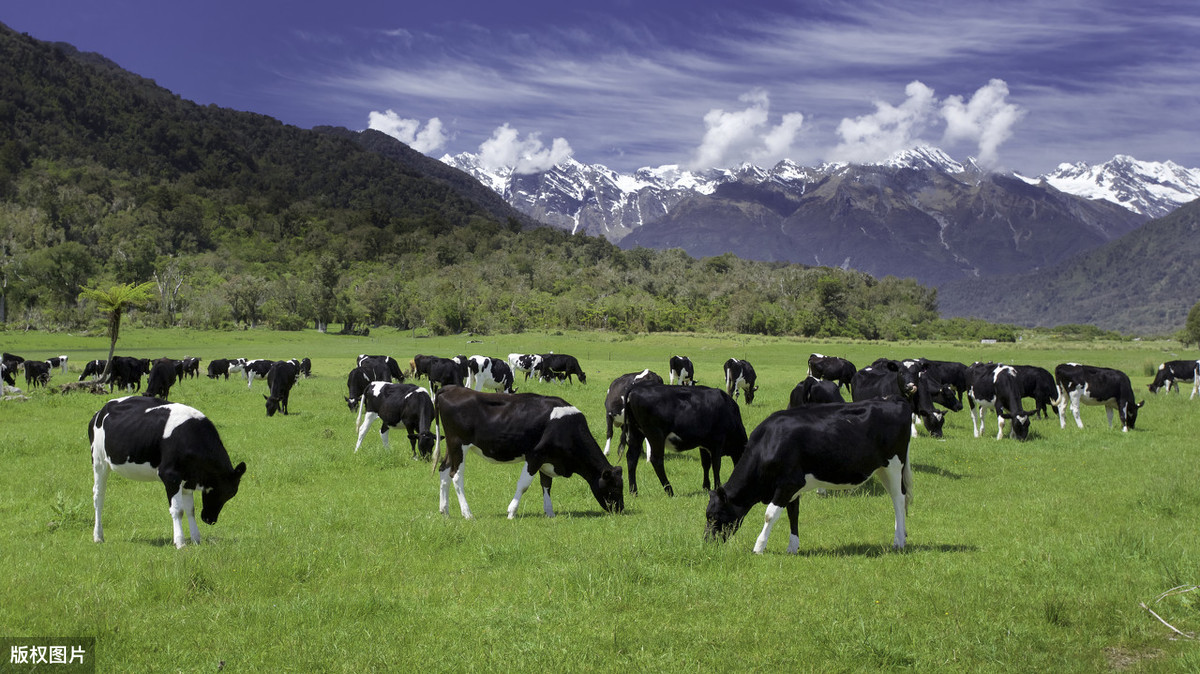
(1150, 188)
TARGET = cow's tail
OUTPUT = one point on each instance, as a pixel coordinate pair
(437, 437)
(361, 399)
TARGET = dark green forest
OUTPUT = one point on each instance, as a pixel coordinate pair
(241, 220)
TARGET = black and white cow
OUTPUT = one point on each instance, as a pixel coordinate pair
(58, 362)
(37, 372)
(614, 404)
(391, 364)
(125, 372)
(550, 436)
(163, 373)
(999, 388)
(910, 382)
(525, 362)
(681, 369)
(826, 446)
(218, 367)
(1037, 383)
(447, 372)
(395, 405)
(490, 373)
(740, 376)
(191, 367)
(93, 369)
(306, 367)
(686, 417)
(813, 390)
(281, 377)
(1172, 372)
(145, 439)
(832, 368)
(559, 366)
(10, 362)
(946, 372)
(256, 369)
(356, 384)
(1092, 385)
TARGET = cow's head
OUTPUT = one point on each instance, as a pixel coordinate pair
(934, 421)
(609, 489)
(750, 394)
(1130, 412)
(217, 495)
(352, 403)
(1020, 424)
(425, 444)
(272, 405)
(722, 518)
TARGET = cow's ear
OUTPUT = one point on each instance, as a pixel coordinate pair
(265, 397)
(240, 470)
(720, 494)
(1140, 404)
(616, 472)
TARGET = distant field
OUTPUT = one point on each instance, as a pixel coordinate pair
(1028, 556)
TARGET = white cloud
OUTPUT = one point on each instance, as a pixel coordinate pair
(507, 149)
(409, 131)
(746, 135)
(875, 137)
(987, 119)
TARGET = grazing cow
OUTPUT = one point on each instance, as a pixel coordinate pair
(525, 362)
(37, 372)
(125, 372)
(1174, 371)
(997, 387)
(1037, 383)
(491, 373)
(813, 390)
(93, 369)
(446, 372)
(218, 367)
(256, 369)
(826, 446)
(10, 363)
(614, 404)
(739, 376)
(681, 368)
(560, 366)
(162, 377)
(1095, 386)
(396, 404)
(911, 381)
(832, 368)
(191, 367)
(549, 435)
(686, 417)
(392, 366)
(356, 384)
(59, 362)
(144, 439)
(946, 372)
(306, 367)
(281, 377)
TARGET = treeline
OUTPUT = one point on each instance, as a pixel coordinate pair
(243, 221)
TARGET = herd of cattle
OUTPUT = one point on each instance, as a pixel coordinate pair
(820, 441)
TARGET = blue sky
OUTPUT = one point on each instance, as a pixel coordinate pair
(1021, 84)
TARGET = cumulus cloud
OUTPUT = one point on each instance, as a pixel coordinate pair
(987, 119)
(746, 135)
(409, 131)
(875, 137)
(506, 149)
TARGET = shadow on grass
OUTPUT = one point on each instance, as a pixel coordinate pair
(877, 550)
(936, 470)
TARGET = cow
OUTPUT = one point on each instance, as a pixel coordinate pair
(491, 373)
(550, 436)
(739, 376)
(191, 367)
(525, 362)
(419, 365)
(614, 404)
(447, 372)
(1037, 383)
(144, 439)
(125, 372)
(392, 366)
(1092, 385)
(823, 446)
(687, 417)
(37, 372)
(945, 372)
(306, 367)
(999, 388)
(218, 367)
(560, 366)
(356, 384)
(1174, 371)
(893, 379)
(813, 390)
(93, 369)
(394, 405)
(163, 373)
(281, 377)
(10, 362)
(256, 369)
(681, 369)
(832, 368)
(58, 362)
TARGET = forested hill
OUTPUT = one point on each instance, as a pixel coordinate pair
(241, 220)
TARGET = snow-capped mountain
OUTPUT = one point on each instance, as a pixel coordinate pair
(1150, 188)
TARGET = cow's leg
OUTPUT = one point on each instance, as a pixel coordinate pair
(452, 458)
(706, 462)
(631, 459)
(1109, 412)
(773, 513)
(999, 424)
(100, 472)
(656, 460)
(369, 418)
(1195, 386)
(896, 483)
(913, 425)
(793, 513)
(523, 483)
(608, 431)
(974, 411)
(181, 502)
(1075, 395)
(546, 506)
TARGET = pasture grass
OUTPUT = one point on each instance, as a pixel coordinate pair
(1028, 556)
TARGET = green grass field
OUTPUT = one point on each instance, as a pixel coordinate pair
(1028, 556)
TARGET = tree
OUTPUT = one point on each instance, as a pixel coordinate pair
(114, 301)
(1191, 327)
